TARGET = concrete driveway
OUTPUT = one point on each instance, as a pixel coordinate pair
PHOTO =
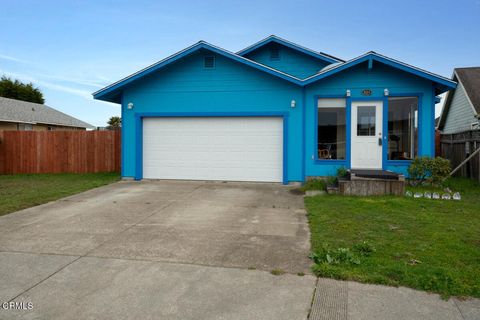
(159, 250)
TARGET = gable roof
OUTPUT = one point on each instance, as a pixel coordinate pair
(469, 78)
(112, 93)
(274, 39)
(12, 110)
(443, 83)
(106, 93)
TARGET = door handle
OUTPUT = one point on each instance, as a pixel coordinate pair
(379, 141)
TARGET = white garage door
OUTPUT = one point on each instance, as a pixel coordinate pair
(213, 148)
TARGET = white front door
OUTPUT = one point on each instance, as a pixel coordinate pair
(366, 142)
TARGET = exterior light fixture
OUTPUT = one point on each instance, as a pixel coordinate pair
(348, 93)
(293, 103)
(386, 92)
(130, 106)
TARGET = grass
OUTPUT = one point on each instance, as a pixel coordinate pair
(27, 190)
(277, 272)
(426, 244)
(318, 184)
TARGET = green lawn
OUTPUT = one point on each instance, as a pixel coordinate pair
(431, 245)
(27, 190)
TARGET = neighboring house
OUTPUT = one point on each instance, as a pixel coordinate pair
(462, 105)
(22, 115)
(275, 111)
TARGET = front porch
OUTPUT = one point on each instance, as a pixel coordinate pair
(372, 183)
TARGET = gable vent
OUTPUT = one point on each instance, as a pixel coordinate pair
(209, 62)
(274, 53)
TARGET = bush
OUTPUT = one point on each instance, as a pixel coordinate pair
(342, 172)
(431, 170)
(314, 184)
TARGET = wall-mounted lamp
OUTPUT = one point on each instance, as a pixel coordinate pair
(130, 106)
(293, 103)
(348, 93)
(386, 92)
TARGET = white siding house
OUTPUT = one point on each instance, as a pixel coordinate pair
(462, 106)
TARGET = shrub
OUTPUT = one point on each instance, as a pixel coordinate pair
(342, 172)
(432, 170)
(314, 184)
(440, 168)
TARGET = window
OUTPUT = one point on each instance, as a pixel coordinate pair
(402, 128)
(331, 129)
(209, 62)
(25, 127)
(275, 53)
(366, 121)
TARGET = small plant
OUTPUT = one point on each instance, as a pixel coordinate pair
(364, 248)
(431, 170)
(314, 184)
(277, 272)
(342, 172)
(335, 257)
(300, 274)
(251, 268)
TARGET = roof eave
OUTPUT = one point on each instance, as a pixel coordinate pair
(108, 93)
(442, 84)
(319, 55)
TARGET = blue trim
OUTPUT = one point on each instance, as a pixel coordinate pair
(139, 132)
(449, 84)
(103, 94)
(348, 133)
(434, 101)
(139, 147)
(290, 45)
(122, 137)
(385, 133)
(399, 162)
(304, 134)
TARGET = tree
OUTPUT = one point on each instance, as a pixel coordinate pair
(15, 89)
(114, 123)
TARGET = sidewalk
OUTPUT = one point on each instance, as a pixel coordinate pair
(342, 300)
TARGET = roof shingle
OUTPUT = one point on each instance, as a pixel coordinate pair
(470, 78)
(28, 112)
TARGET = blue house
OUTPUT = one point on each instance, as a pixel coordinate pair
(274, 111)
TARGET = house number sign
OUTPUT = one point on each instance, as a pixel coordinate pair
(366, 92)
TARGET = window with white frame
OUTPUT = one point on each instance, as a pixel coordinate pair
(331, 129)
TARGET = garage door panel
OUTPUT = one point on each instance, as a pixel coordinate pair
(215, 148)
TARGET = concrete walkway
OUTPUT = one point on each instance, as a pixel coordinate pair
(183, 250)
(342, 300)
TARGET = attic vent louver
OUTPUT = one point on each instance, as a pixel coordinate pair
(209, 62)
(274, 53)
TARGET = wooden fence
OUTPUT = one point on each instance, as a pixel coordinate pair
(59, 151)
(457, 147)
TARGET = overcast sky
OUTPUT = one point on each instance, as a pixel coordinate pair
(70, 49)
